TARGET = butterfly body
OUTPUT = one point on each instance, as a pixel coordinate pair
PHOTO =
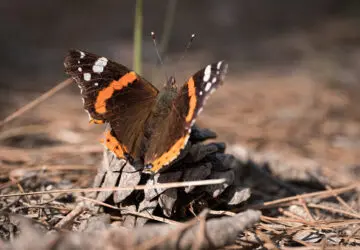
(164, 102)
(145, 123)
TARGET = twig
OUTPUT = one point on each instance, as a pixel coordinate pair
(266, 239)
(319, 194)
(70, 216)
(41, 208)
(107, 189)
(271, 219)
(303, 203)
(290, 214)
(35, 102)
(147, 216)
(200, 235)
(334, 210)
(20, 188)
(318, 224)
(341, 200)
(352, 234)
(221, 212)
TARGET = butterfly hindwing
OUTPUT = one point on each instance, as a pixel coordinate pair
(114, 94)
(171, 136)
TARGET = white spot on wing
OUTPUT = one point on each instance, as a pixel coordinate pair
(80, 69)
(82, 54)
(96, 84)
(81, 89)
(97, 69)
(200, 93)
(186, 139)
(207, 73)
(213, 80)
(87, 76)
(208, 86)
(100, 64)
(90, 118)
(219, 65)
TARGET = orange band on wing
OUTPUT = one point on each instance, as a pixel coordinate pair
(105, 94)
(95, 121)
(192, 99)
(167, 157)
(114, 145)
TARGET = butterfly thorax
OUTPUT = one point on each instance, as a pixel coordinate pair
(159, 113)
(162, 106)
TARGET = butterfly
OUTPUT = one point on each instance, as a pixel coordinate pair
(145, 123)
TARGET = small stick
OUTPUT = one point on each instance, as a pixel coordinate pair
(70, 216)
(341, 200)
(303, 204)
(335, 210)
(319, 194)
(107, 189)
(200, 235)
(124, 211)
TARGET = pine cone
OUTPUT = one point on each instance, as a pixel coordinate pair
(198, 161)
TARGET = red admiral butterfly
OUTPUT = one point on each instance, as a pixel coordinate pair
(145, 123)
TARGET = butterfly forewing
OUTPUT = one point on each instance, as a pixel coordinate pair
(113, 93)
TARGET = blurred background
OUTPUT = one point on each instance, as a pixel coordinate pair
(292, 89)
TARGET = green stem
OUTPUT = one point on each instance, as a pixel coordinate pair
(138, 36)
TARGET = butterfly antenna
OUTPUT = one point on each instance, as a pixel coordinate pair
(188, 45)
(156, 48)
(157, 51)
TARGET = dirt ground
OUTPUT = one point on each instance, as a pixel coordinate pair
(304, 116)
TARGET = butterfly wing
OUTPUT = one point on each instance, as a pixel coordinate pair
(171, 137)
(114, 94)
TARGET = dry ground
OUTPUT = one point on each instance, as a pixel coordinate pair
(305, 115)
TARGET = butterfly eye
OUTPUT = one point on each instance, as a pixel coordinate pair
(171, 82)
